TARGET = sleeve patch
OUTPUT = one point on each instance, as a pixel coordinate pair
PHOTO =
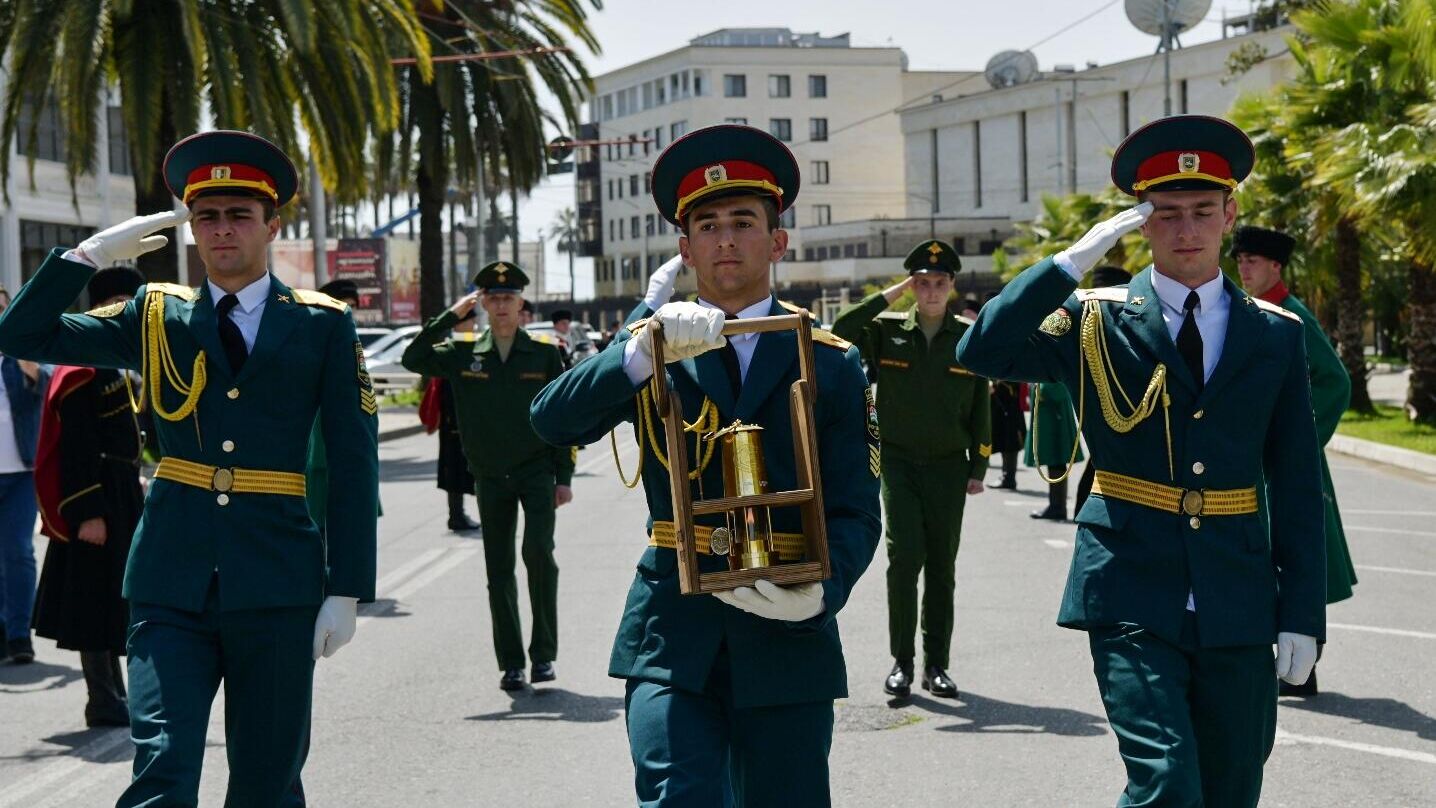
(367, 401)
(1058, 323)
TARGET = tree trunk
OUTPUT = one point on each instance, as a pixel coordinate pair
(1351, 313)
(151, 196)
(432, 181)
(1421, 345)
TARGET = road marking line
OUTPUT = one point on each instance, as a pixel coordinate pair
(1395, 632)
(97, 750)
(1284, 737)
(1019, 503)
(422, 571)
(1396, 570)
(1395, 531)
(1057, 544)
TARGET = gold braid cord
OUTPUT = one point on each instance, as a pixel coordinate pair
(158, 360)
(1098, 359)
(706, 423)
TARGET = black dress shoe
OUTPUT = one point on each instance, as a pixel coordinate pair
(22, 652)
(462, 523)
(1304, 690)
(513, 679)
(543, 672)
(1050, 513)
(936, 681)
(1009, 483)
(899, 682)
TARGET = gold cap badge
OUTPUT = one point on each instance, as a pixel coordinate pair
(1188, 162)
(219, 173)
(718, 173)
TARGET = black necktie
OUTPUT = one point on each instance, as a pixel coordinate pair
(1189, 341)
(229, 336)
(730, 364)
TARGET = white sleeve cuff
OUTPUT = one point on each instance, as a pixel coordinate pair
(79, 258)
(1061, 260)
(637, 364)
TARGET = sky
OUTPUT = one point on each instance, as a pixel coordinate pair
(935, 35)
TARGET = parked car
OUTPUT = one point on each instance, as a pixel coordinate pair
(370, 334)
(381, 346)
(577, 353)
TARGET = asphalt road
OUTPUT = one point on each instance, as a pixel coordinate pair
(410, 713)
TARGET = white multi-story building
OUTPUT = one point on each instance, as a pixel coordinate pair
(40, 215)
(831, 102)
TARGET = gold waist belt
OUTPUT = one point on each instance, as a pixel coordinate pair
(1188, 501)
(790, 546)
(230, 480)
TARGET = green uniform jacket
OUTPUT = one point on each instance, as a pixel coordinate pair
(1135, 564)
(670, 638)
(1054, 426)
(316, 478)
(306, 361)
(931, 407)
(492, 398)
(1330, 396)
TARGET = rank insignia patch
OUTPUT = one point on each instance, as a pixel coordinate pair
(1057, 323)
(367, 402)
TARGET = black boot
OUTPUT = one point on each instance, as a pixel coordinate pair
(1009, 471)
(1056, 509)
(513, 679)
(899, 682)
(106, 706)
(543, 672)
(22, 651)
(459, 522)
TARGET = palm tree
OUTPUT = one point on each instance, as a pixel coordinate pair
(1063, 220)
(565, 229)
(274, 67)
(482, 115)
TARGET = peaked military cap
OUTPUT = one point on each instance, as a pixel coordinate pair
(341, 289)
(1183, 153)
(932, 255)
(501, 277)
(559, 315)
(1110, 276)
(724, 160)
(227, 162)
(112, 282)
(1261, 241)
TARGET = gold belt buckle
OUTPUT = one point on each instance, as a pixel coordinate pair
(1193, 502)
(223, 480)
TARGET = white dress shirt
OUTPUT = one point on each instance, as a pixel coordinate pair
(1211, 314)
(250, 309)
(638, 366)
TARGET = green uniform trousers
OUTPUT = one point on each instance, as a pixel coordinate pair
(178, 659)
(499, 501)
(697, 750)
(1194, 725)
(922, 506)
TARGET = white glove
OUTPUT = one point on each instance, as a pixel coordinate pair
(334, 627)
(688, 330)
(130, 238)
(660, 284)
(1089, 250)
(1295, 657)
(767, 599)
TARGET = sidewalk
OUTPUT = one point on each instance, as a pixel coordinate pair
(399, 422)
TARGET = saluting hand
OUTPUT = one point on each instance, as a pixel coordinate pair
(129, 239)
(892, 293)
(1089, 250)
(465, 305)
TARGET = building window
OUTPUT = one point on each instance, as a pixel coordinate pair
(633, 185)
(739, 121)
(808, 254)
(790, 255)
(632, 145)
(648, 182)
(735, 86)
(1126, 113)
(819, 172)
(1183, 88)
(657, 138)
(781, 128)
(823, 253)
(977, 164)
(817, 129)
(788, 219)
(618, 183)
(37, 239)
(610, 190)
(822, 214)
(119, 143)
(1022, 155)
(779, 86)
(648, 224)
(677, 130)
(863, 250)
(850, 250)
(935, 203)
(633, 227)
(612, 236)
(817, 86)
(49, 141)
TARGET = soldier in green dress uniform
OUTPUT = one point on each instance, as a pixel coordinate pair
(1195, 396)
(1261, 254)
(729, 698)
(494, 379)
(1052, 442)
(229, 579)
(935, 452)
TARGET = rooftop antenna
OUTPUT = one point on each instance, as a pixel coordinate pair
(1166, 19)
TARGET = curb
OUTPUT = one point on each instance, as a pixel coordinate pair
(1419, 462)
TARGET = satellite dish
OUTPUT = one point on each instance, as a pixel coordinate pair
(1166, 18)
(1010, 68)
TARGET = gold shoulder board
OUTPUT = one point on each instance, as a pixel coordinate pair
(1111, 294)
(309, 297)
(828, 338)
(637, 325)
(1275, 309)
(173, 290)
